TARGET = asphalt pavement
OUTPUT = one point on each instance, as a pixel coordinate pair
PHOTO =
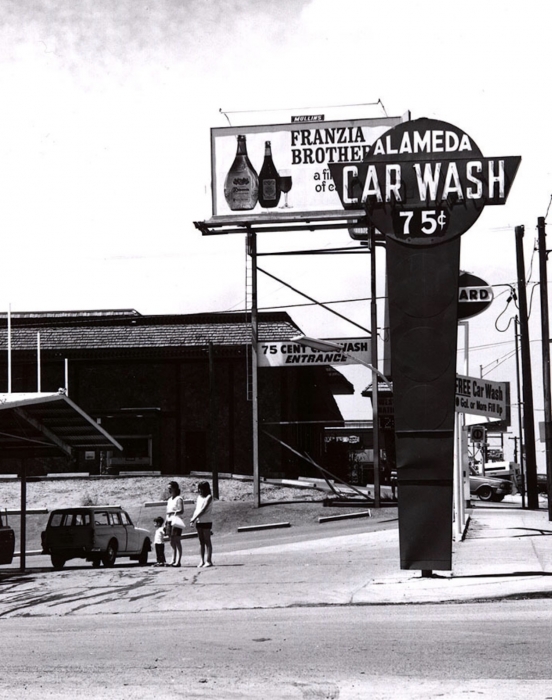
(506, 552)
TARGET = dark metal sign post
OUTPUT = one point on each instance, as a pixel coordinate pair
(424, 183)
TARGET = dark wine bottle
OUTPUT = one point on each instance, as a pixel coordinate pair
(241, 187)
(269, 181)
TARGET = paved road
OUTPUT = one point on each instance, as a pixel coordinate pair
(497, 650)
(231, 541)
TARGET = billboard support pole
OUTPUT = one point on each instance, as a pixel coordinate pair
(374, 359)
(252, 249)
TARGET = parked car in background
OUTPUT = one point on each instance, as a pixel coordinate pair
(542, 484)
(7, 540)
(98, 534)
(489, 488)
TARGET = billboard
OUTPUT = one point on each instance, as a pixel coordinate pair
(284, 168)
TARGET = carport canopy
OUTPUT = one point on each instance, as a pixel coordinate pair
(35, 421)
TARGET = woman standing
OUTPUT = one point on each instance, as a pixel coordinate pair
(175, 511)
(204, 522)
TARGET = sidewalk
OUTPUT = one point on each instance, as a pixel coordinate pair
(506, 552)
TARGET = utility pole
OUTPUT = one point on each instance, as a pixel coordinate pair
(545, 334)
(528, 417)
(374, 361)
(520, 419)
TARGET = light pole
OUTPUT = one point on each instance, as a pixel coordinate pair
(328, 345)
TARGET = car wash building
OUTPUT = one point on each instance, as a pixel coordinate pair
(174, 390)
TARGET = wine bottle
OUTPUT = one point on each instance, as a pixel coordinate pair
(269, 181)
(241, 186)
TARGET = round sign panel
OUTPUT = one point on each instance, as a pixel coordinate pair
(424, 182)
(430, 177)
(474, 295)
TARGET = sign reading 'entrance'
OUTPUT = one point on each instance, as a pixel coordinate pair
(289, 354)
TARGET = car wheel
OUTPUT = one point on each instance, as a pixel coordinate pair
(58, 562)
(143, 558)
(110, 554)
(485, 493)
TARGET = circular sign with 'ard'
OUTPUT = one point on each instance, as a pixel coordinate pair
(474, 295)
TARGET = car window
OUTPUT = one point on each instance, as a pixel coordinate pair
(115, 518)
(126, 519)
(1, 520)
(81, 519)
(101, 517)
(60, 519)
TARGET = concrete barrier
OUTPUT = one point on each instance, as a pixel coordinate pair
(268, 526)
(139, 473)
(346, 516)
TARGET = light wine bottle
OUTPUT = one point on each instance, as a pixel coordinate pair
(269, 181)
(241, 186)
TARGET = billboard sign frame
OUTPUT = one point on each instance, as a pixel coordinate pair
(306, 149)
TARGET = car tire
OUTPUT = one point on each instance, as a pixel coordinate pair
(110, 554)
(485, 493)
(143, 558)
(58, 561)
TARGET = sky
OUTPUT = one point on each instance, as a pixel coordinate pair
(105, 144)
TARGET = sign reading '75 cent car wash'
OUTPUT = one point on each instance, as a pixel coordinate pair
(289, 354)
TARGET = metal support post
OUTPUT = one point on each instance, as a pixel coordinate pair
(212, 422)
(545, 356)
(528, 417)
(459, 500)
(374, 361)
(252, 249)
(23, 526)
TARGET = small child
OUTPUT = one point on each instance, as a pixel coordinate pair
(159, 542)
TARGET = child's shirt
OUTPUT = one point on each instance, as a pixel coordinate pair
(159, 534)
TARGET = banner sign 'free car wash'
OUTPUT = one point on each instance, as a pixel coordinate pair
(481, 397)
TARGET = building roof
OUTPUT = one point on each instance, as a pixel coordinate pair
(127, 333)
(93, 331)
